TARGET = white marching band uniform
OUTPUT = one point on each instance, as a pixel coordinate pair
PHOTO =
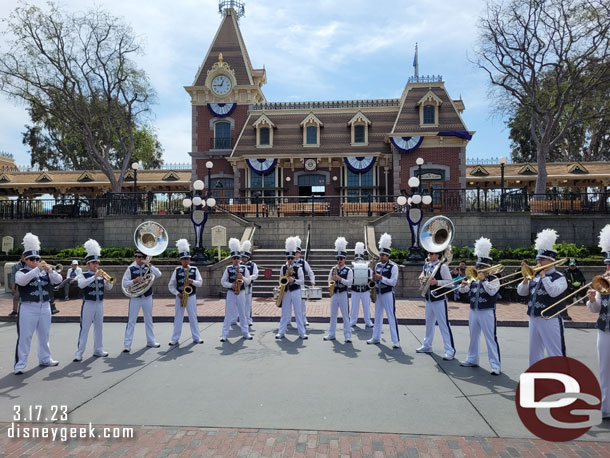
(312, 278)
(292, 300)
(253, 273)
(437, 312)
(339, 301)
(360, 291)
(92, 312)
(176, 286)
(386, 302)
(144, 301)
(235, 303)
(34, 315)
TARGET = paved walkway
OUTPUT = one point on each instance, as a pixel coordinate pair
(408, 311)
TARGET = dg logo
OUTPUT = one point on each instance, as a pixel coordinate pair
(559, 399)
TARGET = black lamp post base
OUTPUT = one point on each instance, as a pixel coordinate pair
(200, 258)
(415, 256)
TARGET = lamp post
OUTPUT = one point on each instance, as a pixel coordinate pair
(135, 166)
(415, 215)
(199, 208)
(502, 203)
(209, 165)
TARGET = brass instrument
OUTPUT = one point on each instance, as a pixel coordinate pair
(151, 239)
(528, 272)
(186, 292)
(107, 277)
(472, 274)
(283, 283)
(436, 236)
(600, 283)
(47, 268)
(238, 284)
(331, 283)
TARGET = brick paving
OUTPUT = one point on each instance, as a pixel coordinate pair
(158, 441)
(408, 311)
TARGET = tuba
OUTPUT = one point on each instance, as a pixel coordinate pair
(436, 236)
(151, 239)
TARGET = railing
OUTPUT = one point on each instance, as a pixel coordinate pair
(443, 201)
(487, 161)
(221, 142)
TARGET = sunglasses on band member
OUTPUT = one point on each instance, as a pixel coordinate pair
(137, 256)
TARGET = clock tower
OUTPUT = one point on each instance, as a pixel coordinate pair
(223, 88)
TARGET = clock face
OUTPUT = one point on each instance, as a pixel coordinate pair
(311, 164)
(221, 85)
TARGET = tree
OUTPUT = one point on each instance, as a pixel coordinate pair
(565, 43)
(56, 145)
(586, 141)
(76, 71)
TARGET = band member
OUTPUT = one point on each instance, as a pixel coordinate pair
(342, 278)
(235, 279)
(16, 268)
(93, 285)
(386, 277)
(183, 276)
(292, 292)
(436, 307)
(545, 289)
(34, 309)
(299, 261)
(360, 291)
(482, 316)
(601, 303)
(134, 274)
(246, 254)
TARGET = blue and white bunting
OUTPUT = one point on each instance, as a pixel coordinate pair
(222, 110)
(262, 166)
(406, 144)
(360, 164)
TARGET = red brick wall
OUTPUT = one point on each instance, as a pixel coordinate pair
(441, 156)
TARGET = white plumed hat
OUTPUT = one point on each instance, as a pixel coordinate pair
(184, 249)
(94, 251)
(234, 247)
(385, 242)
(604, 242)
(291, 247)
(359, 250)
(545, 240)
(31, 246)
(246, 249)
(482, 247)
(299, 242)
(341, 247)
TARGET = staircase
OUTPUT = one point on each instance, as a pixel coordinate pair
(321, 261)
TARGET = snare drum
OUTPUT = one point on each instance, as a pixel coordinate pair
(315, 292)
(276, 292)
(304, 293)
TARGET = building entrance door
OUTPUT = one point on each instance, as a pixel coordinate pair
(312, 185)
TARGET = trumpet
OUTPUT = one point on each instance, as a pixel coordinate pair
(107, 277)
(46, 267)
(600, 283)
(186, 292)
(528, 272)
(472, 274)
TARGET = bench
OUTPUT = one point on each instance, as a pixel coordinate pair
(359, 208)
(62, 210)
(297, 208)
(545, 206)
(247, 209)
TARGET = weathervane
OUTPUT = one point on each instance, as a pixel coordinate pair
(239, 7)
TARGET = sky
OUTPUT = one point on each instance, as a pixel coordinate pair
(314, 50)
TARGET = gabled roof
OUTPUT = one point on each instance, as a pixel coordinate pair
(429, 96)
(230, 43)
(528, 169)
(311, 119)
(359, 117)
(578, 168)
(263, 119)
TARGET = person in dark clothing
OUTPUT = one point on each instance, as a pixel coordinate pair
(460, 272)
(575, 279)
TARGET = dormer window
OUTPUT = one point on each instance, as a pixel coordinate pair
(311, 130)
(264, 132)
(360, 129)
(429, 106)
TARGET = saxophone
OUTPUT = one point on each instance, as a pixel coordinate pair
(186, 292)
(331, 284)
(372, 284)
(238, 284)
(283, 283)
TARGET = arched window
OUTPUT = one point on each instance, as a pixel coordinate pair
(222, 135)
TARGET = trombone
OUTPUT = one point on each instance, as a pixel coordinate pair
(529, 272)
(600, 283)
(472, 273)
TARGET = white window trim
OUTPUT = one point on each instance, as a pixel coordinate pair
(429, 99)
(264, 121)
(359, 120)
(311, 120)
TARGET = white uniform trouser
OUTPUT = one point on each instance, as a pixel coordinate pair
(146, 303)
(603, 353)
(365, 299)
(235, 306)
(483, 320)
(385, 302)
(292, 299)
(546, 334)
(33, 316)
(248, 310)
(436, 312)
(191, 310)
(91, 312)
(339, 301)
(303, 307)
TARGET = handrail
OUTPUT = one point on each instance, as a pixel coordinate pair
(307, 244)
(370, 249)
(235, 215)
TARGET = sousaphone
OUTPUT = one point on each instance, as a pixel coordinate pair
(436, 236)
